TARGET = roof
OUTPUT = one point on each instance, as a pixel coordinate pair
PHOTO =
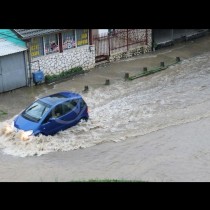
(60, 97)
(30, 33)
(7, 48)
(11, 36)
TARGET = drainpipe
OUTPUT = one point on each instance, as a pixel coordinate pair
(29, 62)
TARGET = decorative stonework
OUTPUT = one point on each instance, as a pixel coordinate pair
(127, 54)
(149, 40)
(135, 34)
(135, 49)
(83, 56)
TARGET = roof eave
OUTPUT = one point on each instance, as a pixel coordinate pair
(40, 35)
(19, 36)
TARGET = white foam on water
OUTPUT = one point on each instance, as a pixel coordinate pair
(126, 109)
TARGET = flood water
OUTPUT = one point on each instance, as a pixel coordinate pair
(123, 112)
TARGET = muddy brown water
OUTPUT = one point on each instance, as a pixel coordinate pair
(154, 128)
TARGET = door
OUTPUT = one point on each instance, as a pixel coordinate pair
(102, 48)
(13, 71)
(162, 36)
(70, 115)
(61, 117)
(51, 123)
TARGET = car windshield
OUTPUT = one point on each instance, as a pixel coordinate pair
(36, 111)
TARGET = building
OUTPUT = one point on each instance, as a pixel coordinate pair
(167, 37)
(57, 50)
(118, 44)
(124, 43)
(13, 61)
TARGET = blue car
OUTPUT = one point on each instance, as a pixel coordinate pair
(51, 114)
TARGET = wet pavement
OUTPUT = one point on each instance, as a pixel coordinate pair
(154, 128)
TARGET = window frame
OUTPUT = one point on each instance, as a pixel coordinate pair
(77, 30)
(59, 40)
(74, 35)
(56, 42)
(40, 45)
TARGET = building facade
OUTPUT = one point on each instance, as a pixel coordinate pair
(13, 61)
(57, 50)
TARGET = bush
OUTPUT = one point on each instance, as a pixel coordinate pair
(64, 74)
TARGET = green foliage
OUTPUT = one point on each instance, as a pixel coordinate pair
(3, 112)
(64, 74)
(151, 71)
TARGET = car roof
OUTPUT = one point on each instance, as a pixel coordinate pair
(59, 97)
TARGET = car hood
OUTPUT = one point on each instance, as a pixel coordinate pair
(24, 124)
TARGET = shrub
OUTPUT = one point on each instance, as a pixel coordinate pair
(64, 74)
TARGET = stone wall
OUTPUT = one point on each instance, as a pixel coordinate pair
(133, 34)
(135, 49)
(58, 62)
(123, 54)
(149, 40)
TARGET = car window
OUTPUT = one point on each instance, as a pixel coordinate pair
(57, 111)
(47, 118)
(35, 111)
(68, 106)
(74, 102)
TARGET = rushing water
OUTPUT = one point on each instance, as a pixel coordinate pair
(125, 109)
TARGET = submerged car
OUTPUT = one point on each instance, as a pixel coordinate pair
(51, 114)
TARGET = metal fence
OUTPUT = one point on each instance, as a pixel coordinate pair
(119, 40)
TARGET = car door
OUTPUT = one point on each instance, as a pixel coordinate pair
(61, 117)
(70, 115)
(51, 123)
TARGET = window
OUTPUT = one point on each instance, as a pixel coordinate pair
(69, 106)
(36, 111)
(51, 44)
(74, 102)
(82, 37)
(57, 111)
(68, 39)
(36, 47)
(47, 118)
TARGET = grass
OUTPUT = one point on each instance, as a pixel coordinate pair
(152, 71)
(3, 112)
(64, 74)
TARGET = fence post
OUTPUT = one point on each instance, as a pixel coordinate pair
(86, 89)
(146, 37)
(127, 39)
(107, 82)
(109, 43)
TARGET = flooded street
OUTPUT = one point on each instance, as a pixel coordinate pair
(154, 128)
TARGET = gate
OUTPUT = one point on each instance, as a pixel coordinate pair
(102, 51)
